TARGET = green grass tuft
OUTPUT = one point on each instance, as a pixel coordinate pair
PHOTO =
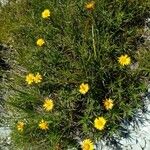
(81, 46)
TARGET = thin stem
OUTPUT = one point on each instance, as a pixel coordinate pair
(94, 47)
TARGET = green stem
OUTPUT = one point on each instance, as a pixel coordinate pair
(94, 47)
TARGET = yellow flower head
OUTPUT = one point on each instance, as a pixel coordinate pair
(48, 104)
(37, 78)
(87, 144)
(40, 42)
(90, 5)
(99, 123)
(20, 126)
(46, 13)
(30, 78)
(84, 88)
(124, 60)
(43, 125)
(108, 104)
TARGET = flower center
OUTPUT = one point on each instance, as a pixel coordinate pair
(83, 88)
(86, 147)
(100, 123)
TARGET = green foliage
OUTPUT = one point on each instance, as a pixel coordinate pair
(81, 46)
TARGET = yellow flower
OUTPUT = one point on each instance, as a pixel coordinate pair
(84, 88)
(48, 104)
(20, 126)
(37, 78)
(124, 60)
(43, 125)
(99, 123)
(30, 78)
(90, 5)
(108, 104)
(40, 42)
(46, 13)
(87, 144)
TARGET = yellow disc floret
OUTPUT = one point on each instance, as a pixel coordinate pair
(108, 104)
(83, 88)
(40, 42)
(30, 78)
(48, 104)
(90, 5)
(20, 126)
(46, 13)
(99, 123)
(87, 144)
(37, 78)
(43, 125)
(124, 60)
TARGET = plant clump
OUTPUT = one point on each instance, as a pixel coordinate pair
(72, 73)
